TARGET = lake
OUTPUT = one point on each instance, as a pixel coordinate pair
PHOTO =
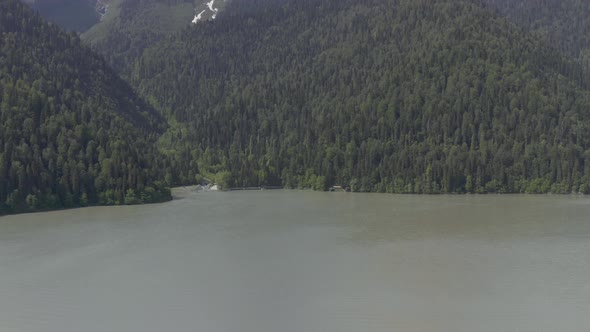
(299, 261)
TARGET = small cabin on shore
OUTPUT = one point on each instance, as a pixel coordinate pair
(340, 188)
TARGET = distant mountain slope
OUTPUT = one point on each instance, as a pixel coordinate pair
(158, 16)
(397, 96)
(130, 26)
(74, 15)
(71, 131)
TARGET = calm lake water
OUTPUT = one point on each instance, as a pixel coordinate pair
(288, 261)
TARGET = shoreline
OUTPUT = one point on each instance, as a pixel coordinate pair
(181, 192)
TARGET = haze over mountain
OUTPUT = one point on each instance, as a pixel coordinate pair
(564, 24)
(129, 26)
(71, 131)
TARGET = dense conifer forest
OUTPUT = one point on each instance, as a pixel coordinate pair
(72, 133)
(402, 96)
(389, 96)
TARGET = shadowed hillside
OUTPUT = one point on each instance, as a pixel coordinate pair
(72, 132)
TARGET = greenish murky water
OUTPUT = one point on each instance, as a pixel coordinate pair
(288, 261)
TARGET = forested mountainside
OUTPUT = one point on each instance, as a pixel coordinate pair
(397, 96)
(565, 24)
(405, 96)
(72, 132)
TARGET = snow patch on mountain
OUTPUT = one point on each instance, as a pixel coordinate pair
(210, 5)
(209, 8)
(198, 17)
